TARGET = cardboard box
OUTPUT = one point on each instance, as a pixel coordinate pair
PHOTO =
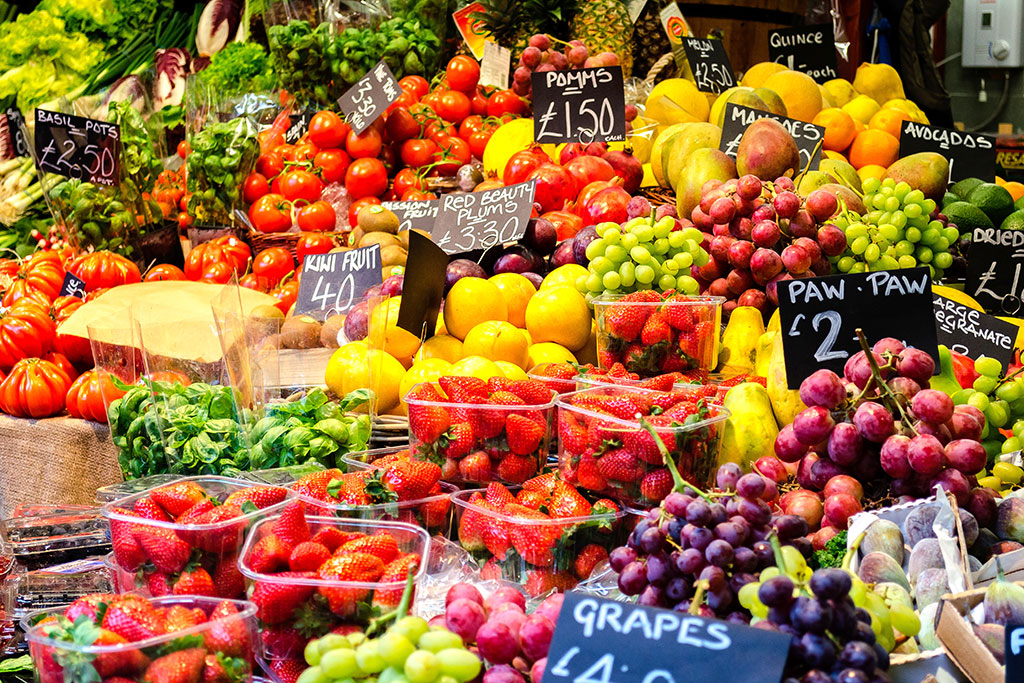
(918, 667)
(959, 641)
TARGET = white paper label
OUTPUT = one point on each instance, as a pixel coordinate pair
(495, 65)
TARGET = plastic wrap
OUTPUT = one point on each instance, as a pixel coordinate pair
(300, 34)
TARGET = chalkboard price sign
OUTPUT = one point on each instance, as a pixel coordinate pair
(478, 220)
(710, 64)
(807, 135)
(335, 282)
(994, 270)
(579, 105)
(820, 316)
(971, 332)
(77, 147)
(369, 97)
(414, 215)
(808, 49)
(12, 135)
(423, 287)
(299, 124)
(72, 286)
(1014, 645)
(971, 155)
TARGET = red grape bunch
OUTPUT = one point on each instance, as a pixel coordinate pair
(542, 55)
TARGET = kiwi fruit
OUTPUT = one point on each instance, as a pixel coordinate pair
(354, 237)
(266, 312)
(330, 330)
(300, 332)
(382, 238)
(403, 239)
(377, 219)
(393, 255)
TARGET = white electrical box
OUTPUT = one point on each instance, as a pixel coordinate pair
(993, 33)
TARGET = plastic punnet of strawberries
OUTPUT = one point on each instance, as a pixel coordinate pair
(652, 334)
(313, 574)
(127, 638)
(546, 535)
(480, 431)
(184, 538)
(603, 450)
(393, 487)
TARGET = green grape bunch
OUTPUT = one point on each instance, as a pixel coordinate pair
(1000, 398)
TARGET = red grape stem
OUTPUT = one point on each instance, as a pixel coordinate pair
(1009, 377)
(876, 377)
(677, 479)
(698, 597)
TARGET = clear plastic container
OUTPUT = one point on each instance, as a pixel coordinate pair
(539, 554)
(557, 385)
(42, 540)
(48, 653)
(691, 343)
(493, 442)
(353, 599)
(55, 586)
(124, 489)
(585, 433)
(281, 476)
(217, 543)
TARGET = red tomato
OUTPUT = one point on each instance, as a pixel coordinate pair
(287, 151)
(164, 271)
(413, 195)
(357, 206)
(313, 243)
(317, 217)
(327, 130)
(470, 125)
(401, 125)
(218, 274)
(255, 283)
(305, 151)
(366, 177)
(184, 148)
(35, 388)
(332, 164)
(454, 106)
(417, 85)
(90, 395)
(26, 331)
(273, 264)
(478, 142)
(454, 153)
(405, 180)
(286, 295)
(406, 99)
(436, 131)
(270, 213)
(431, 99)
(63, 307)
(365, 144)
(227, 249)
(101, 269)
(271, 164)
(416, 153)
(462, 73)
(506, 102)
(299, 184)
(256, 186)
(480, 102)
(184, 220)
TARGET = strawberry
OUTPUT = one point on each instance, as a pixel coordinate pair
(127, 551)
(390, 458)
(545, 483)
(491, 571)
(516, 469)
(624, 322)
(158, 584)
(228, 581)
(589, 557)
(179, 618)
(620, 465)
(196, 511)
(428, 422)
(163, 548)
(276, 600)
(460, 440)
(183, 666)
(450, 469)
(269, 554)
(349, 566)
(434, 512)
(506, 398)
(132, 617)
(427, 392)
(619, 371)
(87, 604)
(556, 371)
(127, 661)
(396, 571)
(291, 526)
(602, 433)
(642, 445)
(195, 582)
(532, 538)
(475, 467)
(411, 479)
(524, 435)
(567, 502)
(288, 670)
(588, 474)
(625, 406)
(177, 497)
(332, 537)
(607, 358)
(381, 545)
(534, 500)
(282, 642)
(459, 388)
(533, 392)
(498, 495)
(656, 485)
(471, 530)
(498, 384)
(572, 434)
(308, 556)
(662, 382)
(220, 669)
(315, 485)
(666, 400)
(539, 582)
(680, 316)
(260, 496)
(146, 508)
(227, 634)
(656, 330)
(487, 422)
(218, 534)
(605, 506)
(494, 531)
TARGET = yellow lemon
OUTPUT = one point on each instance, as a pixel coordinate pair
(443, 346)
(588, 354)
(548, 352)
(511, 370)
(526, 333)
(559, 315)
(517, 291)
(341, 363)
(841, 90)
(428, 370)
(879, 81)
(497, 340)
(476, 366)
(563, 275)
(861, 108)
(676, 100)
(385, 332)
(826, 97)
(471, 301)
(799, 91)
(385, 378)
(756, 75)
(509, 138)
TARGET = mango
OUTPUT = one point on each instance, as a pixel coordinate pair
(844, 172)
(846, 196)
(697, 136)
(745, 97)
(786, 402)
(925, 171)
(704, 164)
(812, 180)
(772, 100)
(768, 151)
(661, 149)
(750, 430)
(739, 341)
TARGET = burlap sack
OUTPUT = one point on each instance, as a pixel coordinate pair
(56, 460)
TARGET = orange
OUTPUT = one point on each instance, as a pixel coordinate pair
(839, 128)
(874, 147)
(871, 171)
(890, 120)
(1015, 189)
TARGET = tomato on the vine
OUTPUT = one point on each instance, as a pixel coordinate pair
(273, 263)
(317, 217)
(287, 151)
(431, 99)
(401, 125)
(454, 106)
(366, 177)
(365, 144)
(417, 85)
(505, 101)
(406, 179)
(454, 153)
(437, 130)
(462, 73)
(305, 151)
(313, 243)
(357, 206)
(406, 99)
(271, 213)
(298, 184)
(416, 153)
(414, 194)
(478, 142)
(332, 164)
(327, 130)
(271, 164)
(185, 220)
(256, 186)
(184, 148)
(470, 125)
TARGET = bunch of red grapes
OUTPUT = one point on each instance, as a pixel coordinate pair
(878, 422)
(541, 55)
(760, 233)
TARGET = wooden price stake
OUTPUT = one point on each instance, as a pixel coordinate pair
(333, 283)
(808, 49)
(369, 97)
(579, 105)
(77, 147)
(710, 64)
(971, 332)
(971, 155)
(994, 270)
(808, 136)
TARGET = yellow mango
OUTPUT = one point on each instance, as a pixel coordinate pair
(750, 431)
(785, 402)
(739, 341)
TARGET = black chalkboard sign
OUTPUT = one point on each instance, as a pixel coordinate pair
(369, 97)
(1014, 652)
(971, 332)
(72, 286)
(478, 220)
(808, 136)
(77, 147)
(808, 49)
(602, 641)
(971, 155)
(414, 215)
(298, 125)
(335, 282)
(12, 134)
(820, 316)
(995, 270)
(423, 287)
(579, 105)
(710, 64)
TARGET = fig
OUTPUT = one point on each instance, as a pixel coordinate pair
(992, 636)
(926, 636)
(983, 547)
(885, 537)
(919, 523)
(877, 567)
(1004, 601)
(931, 585)
(1010, 520)
(925, 555)
(970, 527)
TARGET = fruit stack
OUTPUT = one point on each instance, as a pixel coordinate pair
(604, 450)
(311, 575)
(183, 538)
(653, 334)
(125, 638)
(480, 431)
(546, 535)
(393, 487)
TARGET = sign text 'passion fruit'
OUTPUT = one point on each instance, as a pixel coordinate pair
(77, 147)
(820, 316)
(335, 282)
(414, 215)
(579, 105)
(478, 220)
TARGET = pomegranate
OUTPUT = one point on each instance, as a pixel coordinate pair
(521, 164)
(586, 169)
(627, 167)
(588, 192)
(570, 152)
(555, 187)
(596, 148)
(566, 223)
(607, 205)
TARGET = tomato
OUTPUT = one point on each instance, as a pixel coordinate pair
(270, 213)
(63, 307)
(273, 264)
(505, 102)
(431, 99)
(26, 331)
(256, 186)
(332, 164)
(317, 217)
(401, 125)
(436, 130)
(480, 103)
(454, 153)
(286, 295)
(40, 277)
(478, 142)
(90, 395)
(219, 273)
(406, 179)
(313, 243)
(417, 85)
(406, 99)
(357, 206)
(184, 148)
(462, 73)
(366, 177)
(62, 362)
(164, 271)
(327, 130)
(228, 249)
(271, 164)
(184, 220)
(413, 195)
(35, 388)
(287, 151)
(298, 184)
(454, 106)
(101, 269)
(254, 283)
(305, 151)
(365, 144)
(470, 125)
(416, 153)
(270, 139)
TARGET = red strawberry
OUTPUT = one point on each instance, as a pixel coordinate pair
(428, 422)
(623, 321)
(315, 485)
(127, 551)
(133, 617)
(607, 358)
(276, 600)
(533, 392)
(147, 509)
(475, 467)
(534, 537)
(87, 604)
(308, 556)
(396, 571)
(589, 557)
(516, 469)
(434, 512)
(260, 496)
(332, 537)
(228, 581)
(572, 434)
(459, 388)
(269, 554)
(680, 311)
(487, 422)
(544, 483)
(291, 526)
(524, 435)
(196, 511)
(179, 618)
(471, 530)
(588, 474)
(567, 502)
(496, 384)
(656, 485)
(177, 497)
(534, 499)
(227, 634)
(358, 567)
(165, 550)
(620, 465)
(288, 670)
(195, 582)
(460, 440)
(539, 582)
(605, 506)
(127, 661)
(506, 398)
(158, 584)
(427, 392)
(282, 642)
(494, 531)
(218, 534)
(411, 479)
(656, 330)
(183, 666)
(498, 495)
(381, 545)
(491, 571)
(215, 669)
(642, 445)
(556, 370)
(662, 382)
(626, 406)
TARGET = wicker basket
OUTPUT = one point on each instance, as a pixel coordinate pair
(659, 195)
(288, 240)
